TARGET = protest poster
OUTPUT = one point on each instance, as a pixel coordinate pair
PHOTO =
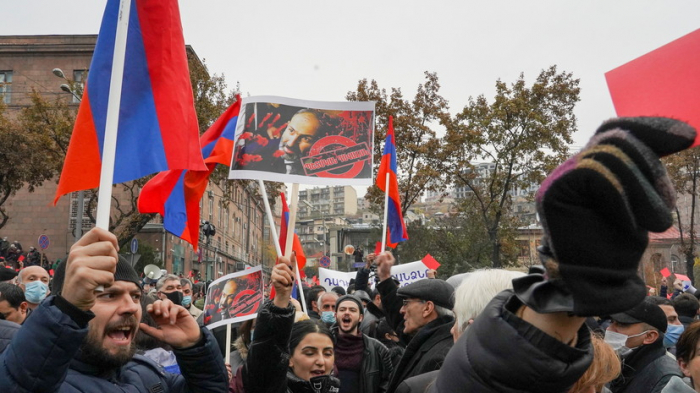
(307, 142)
(235, 297)
(406, 273)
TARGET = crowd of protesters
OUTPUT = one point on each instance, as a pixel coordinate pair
(583, 321)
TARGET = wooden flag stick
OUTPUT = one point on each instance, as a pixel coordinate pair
(109, 149)
(386, 211)
(270, 219)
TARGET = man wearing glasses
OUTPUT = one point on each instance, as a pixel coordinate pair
(421, 313)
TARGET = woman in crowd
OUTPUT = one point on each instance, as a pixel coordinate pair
(605, 367)
(308, 364)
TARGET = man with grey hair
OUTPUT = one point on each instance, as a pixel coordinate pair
(326, 307)
(187, 298)
(169, 287)
(421, 314)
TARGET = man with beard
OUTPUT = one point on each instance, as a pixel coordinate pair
(364, 364)
(81, 339)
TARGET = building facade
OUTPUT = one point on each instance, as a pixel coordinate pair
(26, 65)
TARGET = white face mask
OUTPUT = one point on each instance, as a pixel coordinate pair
(618, 340)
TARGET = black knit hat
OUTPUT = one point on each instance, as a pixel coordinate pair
(598, 207)
(352, 298)
(124, 272)
(7, 274)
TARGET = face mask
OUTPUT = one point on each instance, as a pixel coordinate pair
(673, 332)
(252, 333)
(35, 291)
(175, 297)
(186, 301)
(328, 317)
(618, 340)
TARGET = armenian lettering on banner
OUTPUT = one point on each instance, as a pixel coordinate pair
(234, 298)
(308, 142)
(406, 273)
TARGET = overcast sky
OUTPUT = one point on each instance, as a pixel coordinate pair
(318, 50)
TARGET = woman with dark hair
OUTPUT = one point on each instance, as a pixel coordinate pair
(307, 363)
(687, 354)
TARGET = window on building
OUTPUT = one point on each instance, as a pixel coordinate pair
(79, 77)
(221, 214)
(211, 206)
(226, 217)
(6, 86)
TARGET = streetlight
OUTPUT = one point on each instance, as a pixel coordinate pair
(209, 230)
(81, 194)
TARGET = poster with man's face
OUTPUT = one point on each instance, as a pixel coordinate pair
(235, 297)
(308, 142)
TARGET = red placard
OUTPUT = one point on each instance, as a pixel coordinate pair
(430, 262)
(665, 272)
(664, 82)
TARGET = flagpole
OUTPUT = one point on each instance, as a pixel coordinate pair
(386, 211)
(228, 344)
(270, 218)
(104, 200)
(290, 240)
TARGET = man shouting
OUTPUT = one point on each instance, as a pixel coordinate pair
(83, 340)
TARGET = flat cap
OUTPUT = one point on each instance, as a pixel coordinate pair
(362, 295)
(644, 312)
(437, 291)
(7, 274)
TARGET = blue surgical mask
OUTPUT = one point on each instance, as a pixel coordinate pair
(328, 317)
(35, 291)
(673, 332)
(186, 301)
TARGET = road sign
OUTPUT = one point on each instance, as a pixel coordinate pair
(134, 245)
(44, 242)
(324, 261)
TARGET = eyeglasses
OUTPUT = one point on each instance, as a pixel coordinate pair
(406, 302)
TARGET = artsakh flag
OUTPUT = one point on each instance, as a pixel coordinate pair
(158, 127)
(664, 82)
(395, 224)
(176, 194)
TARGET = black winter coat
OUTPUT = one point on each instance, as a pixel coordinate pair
(267, 367)
(376, 366)
(646, 370)
(427, 349)
(502, 353)
(44, 357)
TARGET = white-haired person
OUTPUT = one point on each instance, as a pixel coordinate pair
(476, 291)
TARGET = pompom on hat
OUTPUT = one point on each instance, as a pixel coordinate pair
(596, 210)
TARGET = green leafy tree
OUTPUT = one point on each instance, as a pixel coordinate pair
(684, 170)
(521, 135)
(148, 256)
(32, 146)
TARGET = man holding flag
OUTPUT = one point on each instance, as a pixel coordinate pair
(83, 338)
